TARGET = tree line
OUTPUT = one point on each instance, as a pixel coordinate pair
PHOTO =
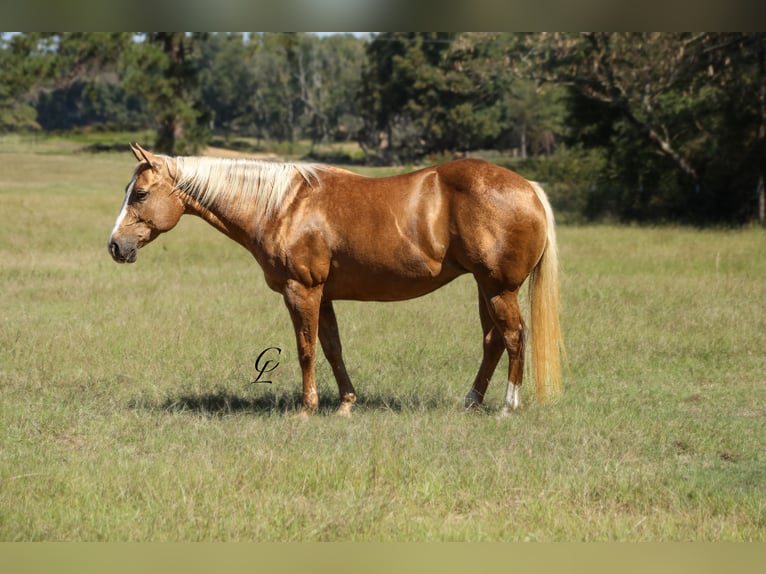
(632, 126)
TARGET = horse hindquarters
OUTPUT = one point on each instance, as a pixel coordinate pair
(517, 243)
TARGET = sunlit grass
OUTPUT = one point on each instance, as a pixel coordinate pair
(128, 410)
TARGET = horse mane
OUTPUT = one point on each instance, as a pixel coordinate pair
(239, 182)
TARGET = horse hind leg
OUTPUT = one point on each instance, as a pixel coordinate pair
(492, 350)
(515, 370)
(504, 309)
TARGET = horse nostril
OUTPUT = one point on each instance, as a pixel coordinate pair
(122, 252)
(114, 249)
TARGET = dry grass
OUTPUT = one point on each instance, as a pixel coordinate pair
(128, 411)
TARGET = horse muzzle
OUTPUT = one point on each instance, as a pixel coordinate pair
(123, 252)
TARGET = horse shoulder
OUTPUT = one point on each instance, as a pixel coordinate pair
(300, 242)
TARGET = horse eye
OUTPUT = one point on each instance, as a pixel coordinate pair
(140, 195)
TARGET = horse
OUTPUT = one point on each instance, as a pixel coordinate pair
(322, 233)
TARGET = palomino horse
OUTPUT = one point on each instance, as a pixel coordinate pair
(321, 233)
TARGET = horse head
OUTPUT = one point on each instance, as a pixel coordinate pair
(151, 207)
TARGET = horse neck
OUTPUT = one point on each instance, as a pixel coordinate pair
(229, 224)
(246, 198)
(233, 220)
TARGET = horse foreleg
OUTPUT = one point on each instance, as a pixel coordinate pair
(330, 340)
(303, 304)
(493, 349)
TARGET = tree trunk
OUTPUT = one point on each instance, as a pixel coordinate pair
(172, 128)
(523, 143)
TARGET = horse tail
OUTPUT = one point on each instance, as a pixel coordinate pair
(546, 339)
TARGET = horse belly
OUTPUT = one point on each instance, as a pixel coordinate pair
(392, 246)
(407, 279)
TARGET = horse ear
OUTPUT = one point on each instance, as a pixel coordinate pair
(134, 147)
(141, 154)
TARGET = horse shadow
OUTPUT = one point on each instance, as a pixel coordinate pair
(223, 402)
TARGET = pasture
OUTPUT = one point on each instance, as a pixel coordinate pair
(128, 410)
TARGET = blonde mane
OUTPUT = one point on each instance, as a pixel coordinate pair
(225, 182)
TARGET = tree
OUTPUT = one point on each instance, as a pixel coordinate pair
(444, 93)
(84, 87)
(276, 103)
(227, 82)
(63, 75)
(328, 71)
(673, 111)
(23, 62)
(379, 95)
(419, 96)
(164, 68)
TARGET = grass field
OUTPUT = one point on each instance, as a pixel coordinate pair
(128, 413)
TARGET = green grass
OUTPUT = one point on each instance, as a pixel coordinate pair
(128, 412)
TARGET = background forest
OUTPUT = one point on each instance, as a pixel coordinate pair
(630, 127)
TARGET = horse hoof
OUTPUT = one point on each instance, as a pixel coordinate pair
(472, 401)
(304, 414)
(344, 410)
(473, 408)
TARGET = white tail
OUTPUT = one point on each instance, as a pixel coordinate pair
(546, 339)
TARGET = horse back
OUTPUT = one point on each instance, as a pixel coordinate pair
(405, 235)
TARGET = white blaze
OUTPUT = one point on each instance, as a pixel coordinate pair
(124, 209)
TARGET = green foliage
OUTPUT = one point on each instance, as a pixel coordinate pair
(76, 84)
(425, 93)
(284, 87)
(96, 105)
(572, 179)
(227, 82)
(18, 71)
(681, 117)
(674, 124)
(164, 69)
(16, 116)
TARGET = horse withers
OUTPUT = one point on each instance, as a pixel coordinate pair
(321, 234)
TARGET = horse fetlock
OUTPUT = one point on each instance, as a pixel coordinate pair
(347, 401)
(512, 399)
(310, 401)
(344, 410)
